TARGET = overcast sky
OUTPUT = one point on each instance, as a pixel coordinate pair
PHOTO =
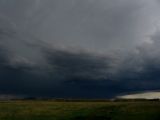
(79, 48)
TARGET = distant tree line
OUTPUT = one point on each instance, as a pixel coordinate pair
(85, 100)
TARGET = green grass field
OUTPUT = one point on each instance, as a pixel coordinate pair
(50, 110)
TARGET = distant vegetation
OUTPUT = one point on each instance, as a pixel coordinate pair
(83, 100)
(62, 109)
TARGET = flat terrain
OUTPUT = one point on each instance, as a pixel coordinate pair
(50, 110)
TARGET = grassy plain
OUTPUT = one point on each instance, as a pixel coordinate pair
(51, 110)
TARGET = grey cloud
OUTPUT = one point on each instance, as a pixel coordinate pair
(79, 65)
(78, 48)
(80, 75)
(87, 24)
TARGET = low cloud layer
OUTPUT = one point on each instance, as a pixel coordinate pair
(145, 95)
(79, 49)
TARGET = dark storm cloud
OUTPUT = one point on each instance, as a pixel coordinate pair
(78, 48)
(79, 75)
(79, 65)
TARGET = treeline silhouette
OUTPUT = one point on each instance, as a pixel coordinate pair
(84, 100)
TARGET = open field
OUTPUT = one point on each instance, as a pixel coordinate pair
(50, 110)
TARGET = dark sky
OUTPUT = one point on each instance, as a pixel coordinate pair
(79, 48)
